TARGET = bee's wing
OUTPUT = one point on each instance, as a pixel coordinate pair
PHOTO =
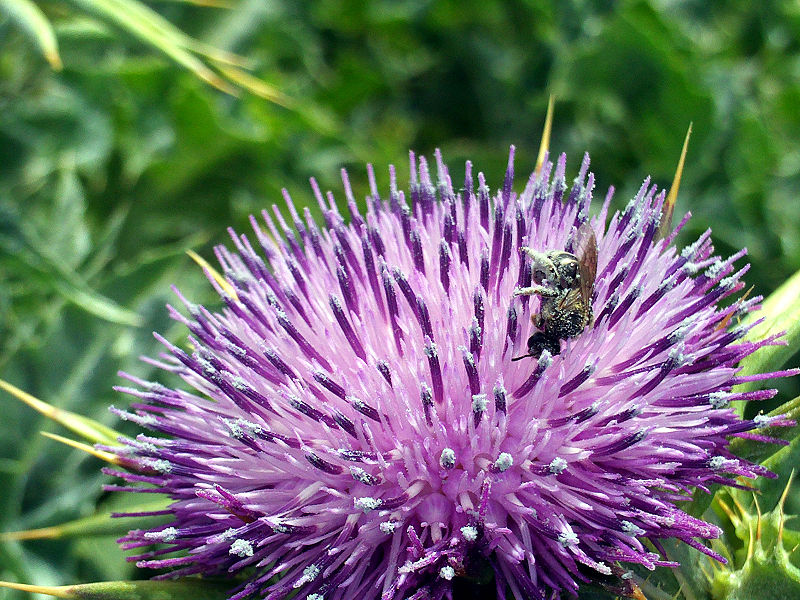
(586, 251)
(571, 301)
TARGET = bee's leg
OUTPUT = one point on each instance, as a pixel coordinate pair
(536, 290)
(535, 254)
(542, 267)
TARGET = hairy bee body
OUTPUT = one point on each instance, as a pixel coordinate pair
(564, 316)
(564, 282)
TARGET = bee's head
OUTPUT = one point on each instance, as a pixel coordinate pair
(554, 268)
(566, 267)
(543, 269)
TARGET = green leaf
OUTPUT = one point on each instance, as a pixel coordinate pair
(767, 572)
(782, 463)
(780, 313)
(779, 459)
(85, 427)
(153, 29)
(68, 283)
(79, 293)
(101, 524)
(33, 21)
(757, 451)
(197, 589)
(690, 574)
(767, 576)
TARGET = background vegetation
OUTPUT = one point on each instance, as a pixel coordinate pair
(112, 167)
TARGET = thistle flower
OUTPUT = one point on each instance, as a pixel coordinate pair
(357, 427)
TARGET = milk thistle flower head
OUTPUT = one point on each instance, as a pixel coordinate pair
(353, 423)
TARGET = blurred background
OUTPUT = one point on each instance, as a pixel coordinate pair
(112, 167)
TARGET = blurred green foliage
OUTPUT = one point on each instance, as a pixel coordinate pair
(111, 168)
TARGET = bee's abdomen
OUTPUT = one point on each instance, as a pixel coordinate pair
(567, 324)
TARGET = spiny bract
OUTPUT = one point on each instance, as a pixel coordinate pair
(356, 426)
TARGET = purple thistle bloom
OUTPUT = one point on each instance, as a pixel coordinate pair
(358, 429)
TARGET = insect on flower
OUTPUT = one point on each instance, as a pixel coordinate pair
(565, 282)
(351, 424)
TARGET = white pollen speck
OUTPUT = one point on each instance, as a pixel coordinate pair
(143, 420)
(160, 465)
(448, 458)
(311, 571)
(691, 268)
(309, 574)
(558, 465)
(367, 503)
(677, 356)
(667, 284)
(603, 568)
(234, 428)
(470, 533)
(475, 326)
(762, 420)
(241, 548)
(720, 463)
(688, 251)
(165, 535)
(237, 351)
(240, 384)
(147, 447)
(206, 365)
(468, 356)
(678, 335)
(315, 597)
(225, 535)
(504, 461)
(388, 527)
(719, 399)
(250, 426)
(447, 573)
(715, 269)
(361, 475)
(631, 529)
(567, 537)
(479, 403)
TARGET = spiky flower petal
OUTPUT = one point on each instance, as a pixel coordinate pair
(357, 427)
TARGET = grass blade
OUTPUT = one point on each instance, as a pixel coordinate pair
(85, 427)
(780, 313)
(33, 21)
(196, 589)
(94, 526)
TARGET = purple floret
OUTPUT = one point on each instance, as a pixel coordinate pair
(356, 427)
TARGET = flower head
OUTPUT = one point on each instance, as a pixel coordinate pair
(357, 426)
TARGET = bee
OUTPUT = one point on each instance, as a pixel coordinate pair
(564, 281)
